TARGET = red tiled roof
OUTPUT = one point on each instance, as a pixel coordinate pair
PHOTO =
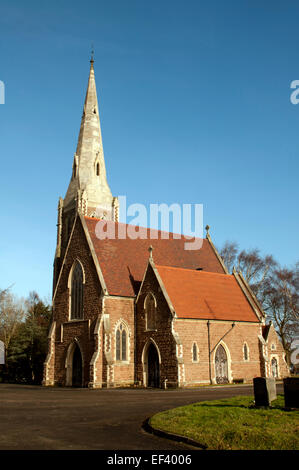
(123, 261)
(206, 295)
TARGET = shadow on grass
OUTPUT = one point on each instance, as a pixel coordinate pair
(220, 405)
(275, 405)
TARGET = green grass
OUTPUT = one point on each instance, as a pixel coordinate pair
(233, 424)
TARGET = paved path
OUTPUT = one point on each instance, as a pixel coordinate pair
(65, 418)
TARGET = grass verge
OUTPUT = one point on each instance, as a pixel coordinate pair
(233, 424)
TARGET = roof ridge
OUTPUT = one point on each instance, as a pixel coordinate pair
(192, 270)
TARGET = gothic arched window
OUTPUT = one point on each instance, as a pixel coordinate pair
(150, 312)
(98, 169)
(121, 344)
(77, 292)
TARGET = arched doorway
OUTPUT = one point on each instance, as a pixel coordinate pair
(153, 367)
(77, 368)
(221, 367)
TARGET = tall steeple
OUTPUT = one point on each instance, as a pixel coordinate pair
(88, 192)
(88, 188)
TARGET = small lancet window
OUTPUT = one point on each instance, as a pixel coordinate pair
(77, 292)
(150, 311)
(74, 170)
(98, 169)
(245, 349)
(121, 343)
(194, 353)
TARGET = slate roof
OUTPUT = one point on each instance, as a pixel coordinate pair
(205, 295)
(123, 261)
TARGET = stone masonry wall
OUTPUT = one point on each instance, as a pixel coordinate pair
(191, 331)
(162, 335)
(83, 330)
(120, 311)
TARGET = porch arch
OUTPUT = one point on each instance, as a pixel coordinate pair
(74, 368)
(151, 364)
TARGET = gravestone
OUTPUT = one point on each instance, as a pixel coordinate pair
(2, 353)
(264, 391)
(291, 392)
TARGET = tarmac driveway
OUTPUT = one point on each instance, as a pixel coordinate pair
(65, 418)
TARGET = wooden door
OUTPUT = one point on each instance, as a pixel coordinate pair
(153, 367)
(77, 368)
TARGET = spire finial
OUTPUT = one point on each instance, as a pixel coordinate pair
(151, 249)
(92, 54)
(207, 229)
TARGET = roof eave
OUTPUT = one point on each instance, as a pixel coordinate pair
(94, 256)
(161, 284)
(208, 237)
(248, 294)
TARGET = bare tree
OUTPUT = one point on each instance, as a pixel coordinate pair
(275, 287)
(255, 268)
(11, 314)
(229, 253)
(281, 303)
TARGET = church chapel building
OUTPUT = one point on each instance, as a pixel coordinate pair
(144, 312)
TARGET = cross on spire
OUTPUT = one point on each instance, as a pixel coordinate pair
(92, 54)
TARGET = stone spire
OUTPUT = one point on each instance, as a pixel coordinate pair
(88, 189)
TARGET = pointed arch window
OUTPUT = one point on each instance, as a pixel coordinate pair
(121, 344)
(245, 352)
(77, 292)
(150, 306)
(194, 353)
(98, 169)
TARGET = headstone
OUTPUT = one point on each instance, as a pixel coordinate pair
(264, 390)
(2, 353)
(291, 392)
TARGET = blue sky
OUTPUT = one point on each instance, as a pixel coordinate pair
(195, 107)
